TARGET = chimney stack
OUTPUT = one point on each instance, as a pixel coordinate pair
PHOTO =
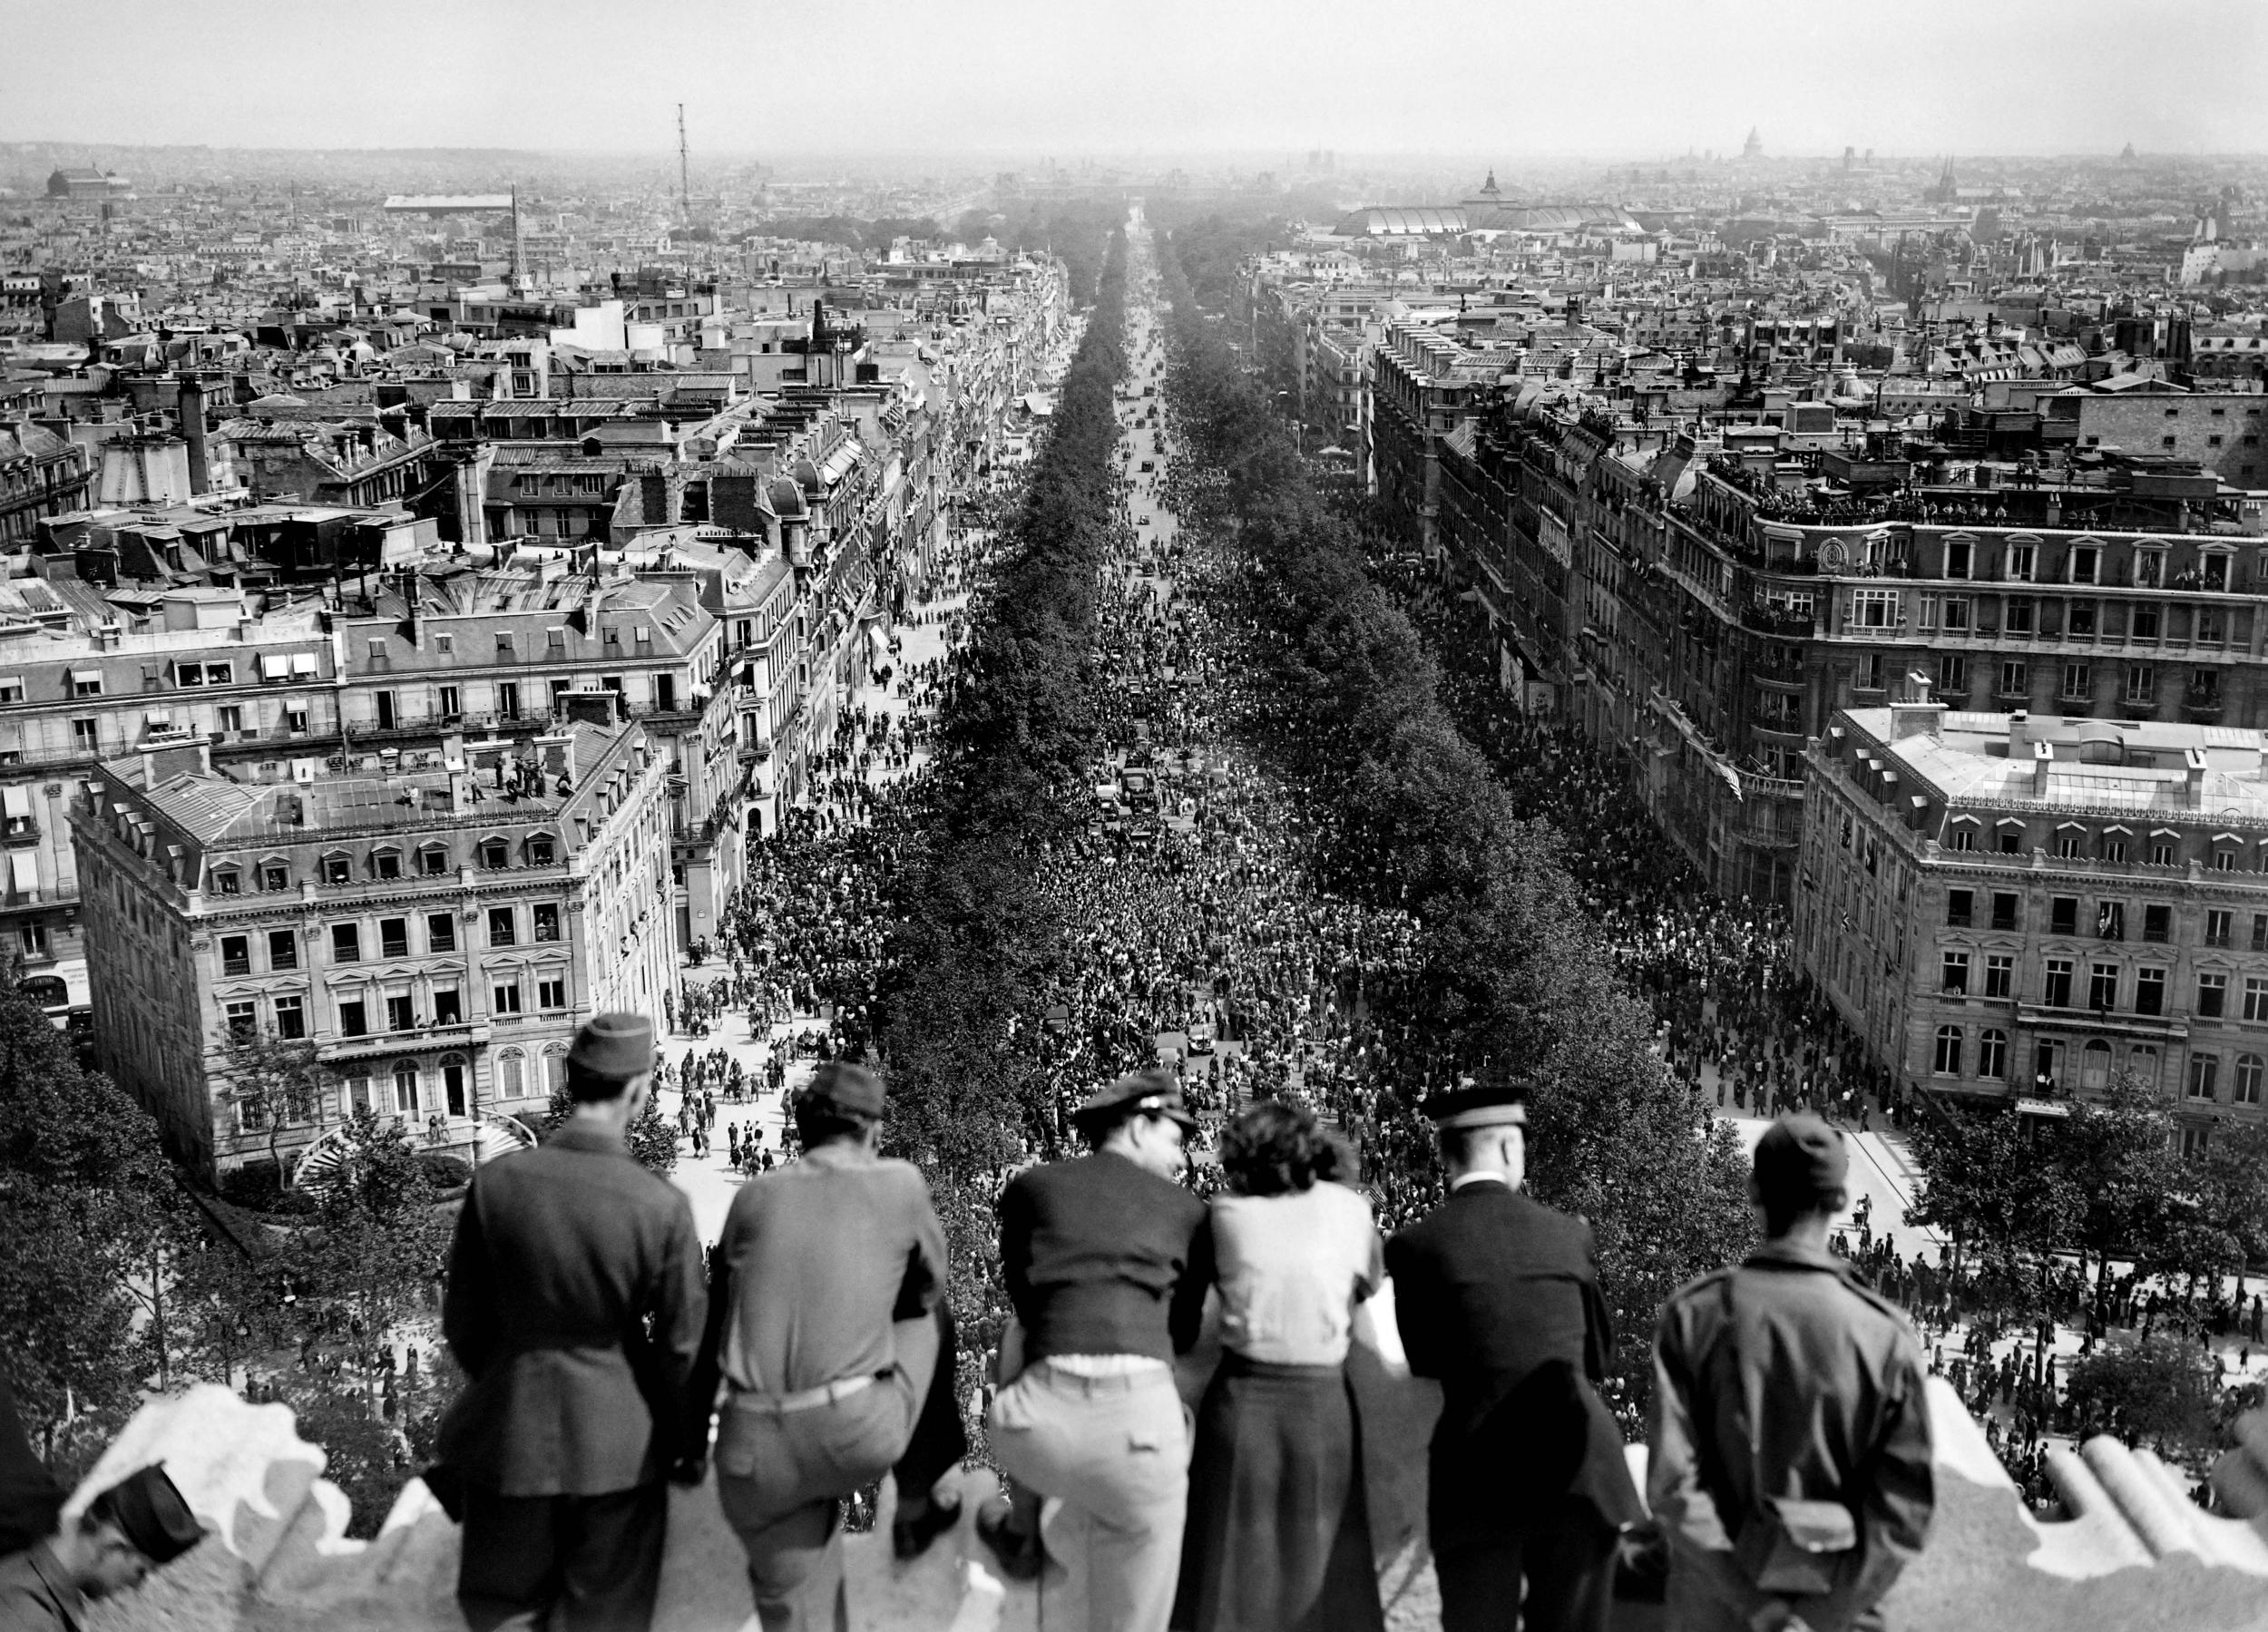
(192, 417)
(2193, 768)
(2043, 760)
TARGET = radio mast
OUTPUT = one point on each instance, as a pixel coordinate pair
(685, 186)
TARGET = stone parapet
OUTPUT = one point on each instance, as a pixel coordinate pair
(2139, 1555)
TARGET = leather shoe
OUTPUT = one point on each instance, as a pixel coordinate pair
(1020, 1556)
(910, 1538)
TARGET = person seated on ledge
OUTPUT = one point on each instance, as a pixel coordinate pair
(138, 1525)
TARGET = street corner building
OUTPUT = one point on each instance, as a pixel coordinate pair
(435, 928)
(2009, 905)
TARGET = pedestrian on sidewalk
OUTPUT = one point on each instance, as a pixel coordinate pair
(1107, 1260)
(830, 1335)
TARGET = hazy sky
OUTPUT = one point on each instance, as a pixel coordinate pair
(1613, 78)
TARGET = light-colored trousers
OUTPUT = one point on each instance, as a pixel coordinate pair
(1112, 1456)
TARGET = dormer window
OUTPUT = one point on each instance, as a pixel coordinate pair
(338, 867)
(433, 860)
(386, 863)
(275, 876)
(495, 854)
(2086, 560)
(539, 850)
(226, 881)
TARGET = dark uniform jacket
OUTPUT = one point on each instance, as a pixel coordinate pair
(1103, 1257)
(1832, 1379)
(1497, 1296)
(30, 1499)
(575, 1303)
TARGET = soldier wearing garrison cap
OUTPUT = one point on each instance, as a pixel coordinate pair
(135, 1526)
(1497, 1297)
(575, 1305)
(1790, 1462)
(833, 1353)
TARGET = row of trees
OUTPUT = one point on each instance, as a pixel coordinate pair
(2105, 1185)
(121, 1277)
(1511, 971)
(977, 948)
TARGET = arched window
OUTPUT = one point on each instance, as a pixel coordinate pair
(1992, 1053)
(2204, 1072)
(555, 1070)
(2248, 1074)
(511, 1074)
(453, 1084)
(2141, 1064)
(405, 1086)
(495, 854)
(2095, 1064)
(1949, 1043)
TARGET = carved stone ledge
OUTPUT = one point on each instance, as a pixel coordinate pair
(2138, 1556)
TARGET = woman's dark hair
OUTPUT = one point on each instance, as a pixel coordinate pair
(1273, 1148)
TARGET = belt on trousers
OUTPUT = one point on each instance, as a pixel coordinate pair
(810, 1399)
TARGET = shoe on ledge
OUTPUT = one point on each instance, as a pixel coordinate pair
(911, 1537)
(1020, 1556)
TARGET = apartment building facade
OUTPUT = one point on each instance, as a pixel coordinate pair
(436, 934)
(2012, 907)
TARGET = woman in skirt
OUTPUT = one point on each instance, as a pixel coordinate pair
(1278, 1535)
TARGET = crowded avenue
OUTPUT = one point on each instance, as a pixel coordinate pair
(1209, 945)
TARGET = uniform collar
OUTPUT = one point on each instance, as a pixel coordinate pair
(1467, 1181)
(1792, 1254)
(582, 1136)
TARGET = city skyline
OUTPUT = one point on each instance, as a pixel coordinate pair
(994, 77)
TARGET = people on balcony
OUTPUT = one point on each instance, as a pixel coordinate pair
(829, 1331)
(1107, 1261)
(1278, 1532)
(1790, 1466)
(575, 1306)
(1497, 1297)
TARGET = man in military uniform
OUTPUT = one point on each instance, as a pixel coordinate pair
(1497, 1298)
(138, 1525)
(1790, 1467)
(575, 1303)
